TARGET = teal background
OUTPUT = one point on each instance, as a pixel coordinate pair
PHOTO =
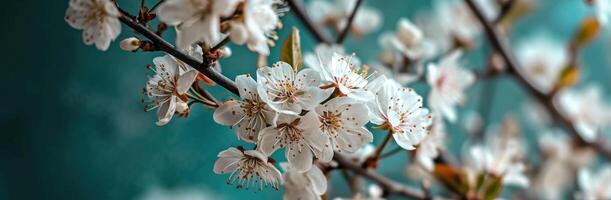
(73, 127)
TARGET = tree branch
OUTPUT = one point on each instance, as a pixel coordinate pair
(513, 68)
(344, 33)
(300, 12)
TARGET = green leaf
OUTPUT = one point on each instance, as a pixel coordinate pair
(493, 187)
(290, 52)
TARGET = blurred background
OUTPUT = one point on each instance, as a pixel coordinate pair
(73, 127)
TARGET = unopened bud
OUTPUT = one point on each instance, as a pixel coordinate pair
(408, 33)
(225, 52)
(182, 107)
(130, 44)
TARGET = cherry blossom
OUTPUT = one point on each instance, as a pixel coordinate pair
(168, 88)
(99, 20)
(448, 82)
(287, 92)
(587, 109)
(248, 168)
(602, 9)
(255, 26)
(543, 58)
(594, 185)
(309, 185)
(342, 122)
(249, 115)
(291, 132)
(196, 20)
(408, 40)
(336, 14)
(400, 111)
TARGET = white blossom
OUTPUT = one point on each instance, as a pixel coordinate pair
(258, 22)
(248, 168)
(602, 9)
(337, 13)
(130, 44)
(308, 185)
(430, 146)
(97, 18)
(342, 122)
(408, 40)
(300, 139)
(168, 88)
(196, 20)
(342, 73)
(543, 58)
(248, 116)
(587, 110)
(594, 185)
(448, 82)
(290, 93)
(400, 110)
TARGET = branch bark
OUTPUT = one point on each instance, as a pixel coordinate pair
(547, 100)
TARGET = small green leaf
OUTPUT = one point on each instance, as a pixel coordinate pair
(493, 187)
(290, 52)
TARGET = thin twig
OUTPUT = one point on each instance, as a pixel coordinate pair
(300, 12)
(548, 101)
(203, 67)
(220, 44)
(391, 152)
(344, 33)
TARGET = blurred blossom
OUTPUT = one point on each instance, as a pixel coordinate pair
(587, 109)
(536, 114)
(183, 193)
(429, 148)
(543, 59)
(97, 18)
(472, 122)
(374, 192)
(594, 185)
(602, 9)
(336, 14)
(448, 80)
(310, 184)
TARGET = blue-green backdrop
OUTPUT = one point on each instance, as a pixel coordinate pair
(73, 127)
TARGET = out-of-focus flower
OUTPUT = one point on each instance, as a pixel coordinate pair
(180, 193)
(594, 185)
(472, 122)
(341, 72)
(196, 20)
(536, 114)
(408, 40)
(429, 148)
(249, 115)
(130, 44)
(543, 59)
(248, 168)
(290, 93)
(310, 184)
(336, 14)
(342, 122)
(294, 133)
(361, 154)
(448, 83)
(587, 110)
(560, 157)
(99, 20)
(168, 88)
(258, 21)
(602, 8)
(374, 192)
(400, 111)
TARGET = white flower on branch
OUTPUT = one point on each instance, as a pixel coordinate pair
(255, 26)
(248, 168)
(342, 73)
(337, 13)
(97, 18)
(168, 88)
(448, 83)
(250, 115)
(301, 138)
(196, 20)
(587, 110)
(342, 122)
(400, 111)
(290, 93)
(594, 185)
(543, 59)
(308, 185)
(408, 40)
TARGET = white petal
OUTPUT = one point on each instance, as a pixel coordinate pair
(247, 86)
(318, 180)
(185, 81)
(299, 157)
(267, 140)
(166, 111)
(229, 113)
(403, 141)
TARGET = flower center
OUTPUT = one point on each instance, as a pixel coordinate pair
(331, 122)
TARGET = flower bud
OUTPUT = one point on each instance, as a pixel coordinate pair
(225, 52)
(182, 107)
(130, 44)
(408, 33)
(238, 33)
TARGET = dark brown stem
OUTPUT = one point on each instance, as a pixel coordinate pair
(547, 100)
(220, 44)
(373, 160)
(300, 12)
(344, 33)
(203, 67)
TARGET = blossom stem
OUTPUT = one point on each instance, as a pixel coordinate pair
(391, 152)
(300, 12)
(344, 33)
(547, 100)
(372, 161)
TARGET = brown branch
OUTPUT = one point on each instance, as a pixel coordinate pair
(203, 67)
(300, 12)
(513, 68)
(344, 33)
